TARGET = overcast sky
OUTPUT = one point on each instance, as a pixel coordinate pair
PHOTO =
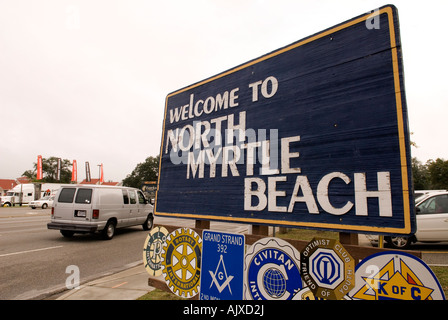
(87, 80)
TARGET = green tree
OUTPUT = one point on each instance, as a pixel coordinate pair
(420, 175)
(49, 170)
(145, 171)
(438, 173)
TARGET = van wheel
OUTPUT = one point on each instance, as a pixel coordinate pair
(109, 230)
(148, 223)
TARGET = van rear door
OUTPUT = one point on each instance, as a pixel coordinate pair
(63, 207)
(73, 204)
(83, 204)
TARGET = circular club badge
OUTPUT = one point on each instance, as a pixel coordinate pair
(394, 275)
(327, 269)
(272, 270)
(181, 262)
(152, 250)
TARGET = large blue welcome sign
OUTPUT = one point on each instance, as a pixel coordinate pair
(312, 135)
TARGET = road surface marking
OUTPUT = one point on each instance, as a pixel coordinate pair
(28, 251)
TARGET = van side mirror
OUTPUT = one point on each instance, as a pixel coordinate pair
(152, 201)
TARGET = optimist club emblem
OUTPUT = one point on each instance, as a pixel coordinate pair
(395, 276)
(152, 250)
(272, 270)
(327, 269)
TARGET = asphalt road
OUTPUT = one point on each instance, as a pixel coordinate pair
(34, 260)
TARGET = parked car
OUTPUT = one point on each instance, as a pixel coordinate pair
(91, 208)
(432, 221)
(44, 203)
(420, 194)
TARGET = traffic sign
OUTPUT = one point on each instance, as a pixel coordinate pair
(314, 134)
(222, 266)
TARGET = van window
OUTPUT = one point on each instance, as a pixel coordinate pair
(125, 197)
(141, 198)
(84, 196)
(132, 197)
(66, 195)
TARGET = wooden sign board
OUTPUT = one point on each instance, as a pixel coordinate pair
(312, 135)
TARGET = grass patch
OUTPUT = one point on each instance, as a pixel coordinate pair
(442, 274)
(306, 234)
(158, 294)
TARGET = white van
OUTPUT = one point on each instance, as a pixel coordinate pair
(91, 208)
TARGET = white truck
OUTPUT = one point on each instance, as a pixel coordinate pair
(26, 192)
